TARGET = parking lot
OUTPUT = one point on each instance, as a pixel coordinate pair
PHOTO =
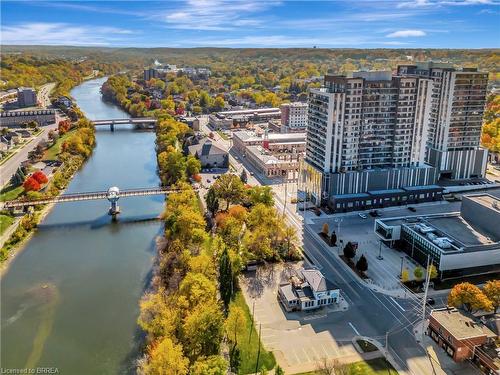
(298, 339)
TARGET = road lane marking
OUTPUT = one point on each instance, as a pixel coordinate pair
(354, 329)
(397, 304)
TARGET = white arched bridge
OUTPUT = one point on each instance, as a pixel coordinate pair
(112, 195)
(139, 122)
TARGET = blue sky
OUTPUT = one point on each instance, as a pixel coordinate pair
(250, 23)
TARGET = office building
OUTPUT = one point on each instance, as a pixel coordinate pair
(151, 73)
(366, 132)
(241, 118)
(26, 97)
(457, 104)
(293, 117)
(458, 244)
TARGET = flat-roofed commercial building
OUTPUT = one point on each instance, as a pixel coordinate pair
(464, 338)
(17, 118)
(458, 244)
(240, 118)
(26, 97)
(272, 154)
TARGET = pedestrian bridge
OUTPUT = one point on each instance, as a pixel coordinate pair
(139, 122)
(112, 195)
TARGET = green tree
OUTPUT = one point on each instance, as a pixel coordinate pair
(193, 166)
(418, 272)
(212, 201)
(225, 278)
(197, 289)
(243, 176)
(362, 264)
(229, 188)
(260, 194)
(203, 330)
(349, 251)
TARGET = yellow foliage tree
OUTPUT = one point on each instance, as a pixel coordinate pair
(492, 291)
(469, 297)
(166, 358)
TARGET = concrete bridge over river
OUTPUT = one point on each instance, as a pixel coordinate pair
(139, 122)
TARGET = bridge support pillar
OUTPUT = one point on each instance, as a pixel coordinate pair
(114, 210)
(112, 127)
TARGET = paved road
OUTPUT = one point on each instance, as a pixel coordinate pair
(11, 165)
(372, 314)
(43, 96)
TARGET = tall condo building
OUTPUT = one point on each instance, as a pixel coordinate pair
(457, 104)
(26, 97)
(367, 133)
(293, 117)
(378, 135)
(150, 73)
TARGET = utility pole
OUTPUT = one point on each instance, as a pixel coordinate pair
(380, 257)
(258, 352)
(426, 289)
(284, 200)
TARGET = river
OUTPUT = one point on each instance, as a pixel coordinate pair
(69, 300)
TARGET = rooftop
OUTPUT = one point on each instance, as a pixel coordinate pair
(206, 147)
(486, 200)
(459, 325)
(273, 137)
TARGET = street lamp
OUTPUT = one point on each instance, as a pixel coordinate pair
(380, 257)
(402, 261)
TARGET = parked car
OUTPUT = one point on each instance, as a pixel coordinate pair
(251, 173)
(412, 209)
(374, 213)
(431, 301)
(362, 215)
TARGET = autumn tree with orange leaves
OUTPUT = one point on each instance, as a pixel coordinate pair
(469, 297)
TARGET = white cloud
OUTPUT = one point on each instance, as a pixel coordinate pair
(215, 15)
(406, 34)
(433, 3)
(61, 34)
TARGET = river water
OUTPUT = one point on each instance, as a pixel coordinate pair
(70, 299)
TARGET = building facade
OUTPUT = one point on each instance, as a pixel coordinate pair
(240, 118)
(26, 97)
(458, 99)
(210, 156)
(367, 131)
(150, 73)
(17, 118)
(293, 117)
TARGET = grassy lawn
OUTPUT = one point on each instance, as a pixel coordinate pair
(222, 135)
(5, 221)
(10, 192)
(249, 348)
(55, 149)
(377, 366)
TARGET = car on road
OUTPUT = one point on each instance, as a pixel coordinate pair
(251, 173)
(208, 181)
(362, 215)
(374, 213)
(412, 209)
(431, 301)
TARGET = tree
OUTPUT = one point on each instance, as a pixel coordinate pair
(405, 275)
(31, 184)
(333, 239)
(203, 330)
(418, 272)
(212, 365)
(332, 367)
(492, 292)
(349, 251)
(197, 289)
(225, 278)
(326, 229)
(243, 176)
(212, 201)
(469, 297)
(362, 264)
(229, 188)
(260, 194)
(235, 360)
(63, 126)
(235, 324)
(165, 359)
(155, 317)
(40, 177)
(193, 166)
(279, 371)
(53, 136)
(433, 271)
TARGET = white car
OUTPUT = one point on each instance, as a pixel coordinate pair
(363, 216)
